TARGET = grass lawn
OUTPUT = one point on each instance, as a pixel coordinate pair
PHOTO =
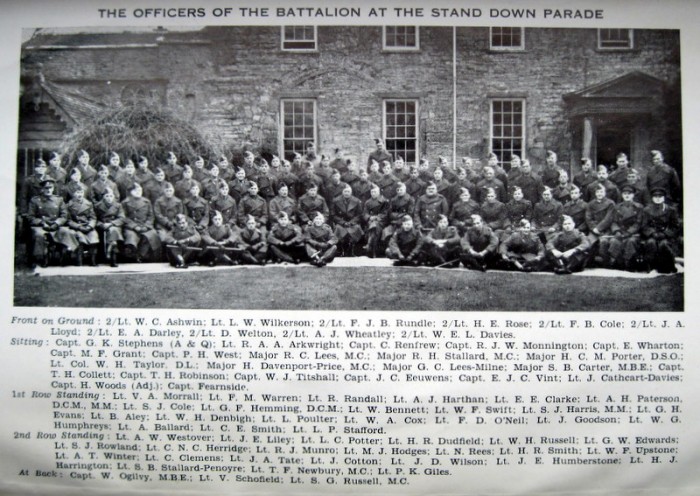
(352, 288)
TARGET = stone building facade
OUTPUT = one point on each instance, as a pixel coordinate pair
(429, 91)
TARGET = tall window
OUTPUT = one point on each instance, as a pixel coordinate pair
(401, 38)
(503, 38)
(507, 128)
(615, 39)
(299, 38)
(401, 129)
(298, 125)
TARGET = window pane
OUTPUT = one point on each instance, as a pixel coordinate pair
(507, 131)
(400, 117)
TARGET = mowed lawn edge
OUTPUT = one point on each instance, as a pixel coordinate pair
(353, 288)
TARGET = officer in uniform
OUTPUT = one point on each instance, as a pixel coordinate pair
(283, 203)
(141, 240)
(173, 171)
(428, 208)
(225, 205)
(546, 214)
(100, 184)
(399, 206)
(197, 208)
(611, 190)
(663, 176)
(479, 245)
(522, 250)
(406, 244)
(442, 245)
(47, 216)
(599, 215)
(624, 242)
(374, 218)
(346, 216)
(110, 219)
(380, 154)
(184, 242)
(319, 241)
(285, 240)
(567, 250)
(551, 171)
(660, 232)
(310, 204)
(576, 209)
(463, 210)
(238, 187)
(87, 172)
(253, 205)
(585, 178)
(82, 221)
(165, 209)
(253, 242)
(220, 241)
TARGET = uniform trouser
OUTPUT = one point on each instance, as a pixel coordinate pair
(575, 263)
(146, 244)
(325, 255)
(111, 237)
(374, 238)
(623, 251)
(659, 254)
(477, 261)
(288, 253)
(187, 253)
(348, 236)
(255, 256)
(437, 255)
(62, 236)
(529, 261)
(395, 253)
(216, 254)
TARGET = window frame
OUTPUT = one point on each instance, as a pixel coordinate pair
(284, 41)
(510, 48)
(522, 137)
(305, 140)
(388, 48)
(630, 43)
(416, 126)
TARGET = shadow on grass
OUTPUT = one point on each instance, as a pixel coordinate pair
(357, 288)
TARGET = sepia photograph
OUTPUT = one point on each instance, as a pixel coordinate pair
(397, 167)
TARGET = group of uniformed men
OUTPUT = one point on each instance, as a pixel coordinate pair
(315, 208)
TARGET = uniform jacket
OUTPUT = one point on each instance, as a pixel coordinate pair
(255, 206)
(281, 204)
(400, 206)
(518, 244)
(518, 210)
(346, 211)
(428, 209)
(495, 214)
(479, 239)
(566, 240)
(408, 243)
(138, 212)
(627, 218)
(52, 209)
(290, 234)
(599, 214)
(165, 209)
(308, 206)
(547, 214)
(660, 221)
